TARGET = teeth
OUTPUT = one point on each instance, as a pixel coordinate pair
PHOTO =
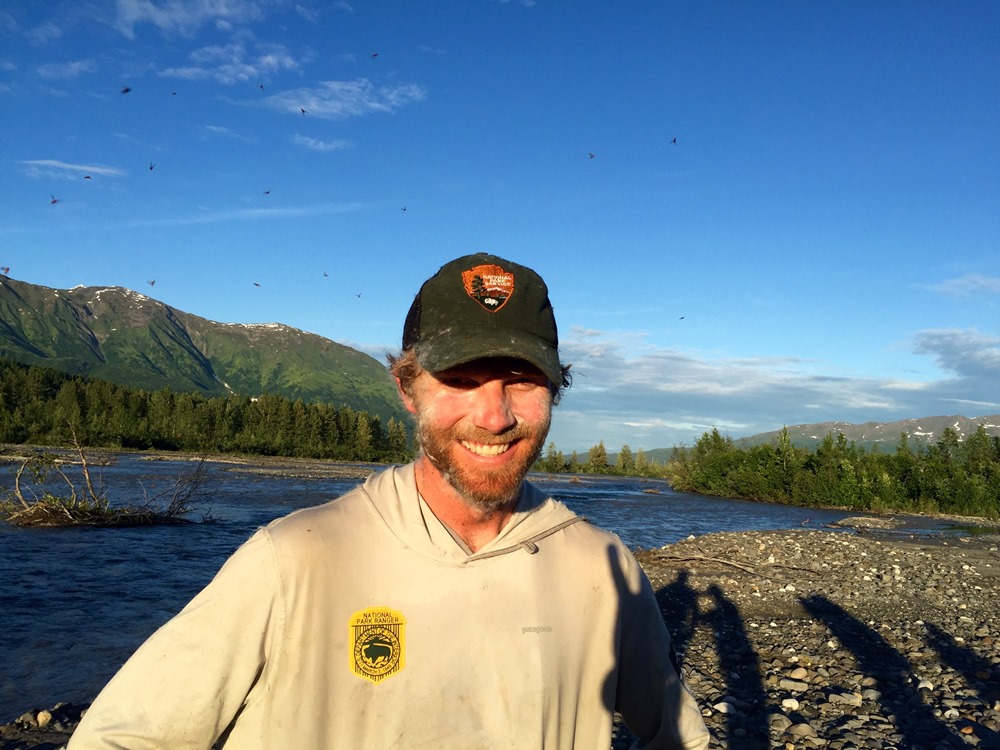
(486, 450)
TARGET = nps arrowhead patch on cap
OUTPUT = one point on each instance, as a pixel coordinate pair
(489, 285)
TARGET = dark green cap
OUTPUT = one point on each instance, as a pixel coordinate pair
(481, 306)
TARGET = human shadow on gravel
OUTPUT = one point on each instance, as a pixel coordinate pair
(679, 606)
(641, 640)
(900, 698)
(977, 671)
(739, 664)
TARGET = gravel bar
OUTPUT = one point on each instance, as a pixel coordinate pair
(839, 640)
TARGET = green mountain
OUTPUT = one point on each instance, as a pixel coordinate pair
(116, 334)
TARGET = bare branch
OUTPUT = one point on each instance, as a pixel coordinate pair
(72, 487)
(182, 492)
(721, 561)
(88, 506)
(702, 558)
(84, 466)
(17, 485)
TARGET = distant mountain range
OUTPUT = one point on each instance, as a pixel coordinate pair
(116, 334)
(885, 435)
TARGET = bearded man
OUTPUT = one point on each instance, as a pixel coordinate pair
(447, 602)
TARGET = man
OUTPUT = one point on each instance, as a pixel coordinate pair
(446, 603)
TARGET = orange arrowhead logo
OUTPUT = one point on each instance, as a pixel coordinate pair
(489, 285)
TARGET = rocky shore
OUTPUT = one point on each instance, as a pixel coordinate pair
(813, 639)
(807, 639)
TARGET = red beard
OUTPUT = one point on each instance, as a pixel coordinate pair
(486, 489)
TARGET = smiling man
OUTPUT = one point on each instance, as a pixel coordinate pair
(447, 602)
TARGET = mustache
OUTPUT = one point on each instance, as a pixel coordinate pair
(519, 431)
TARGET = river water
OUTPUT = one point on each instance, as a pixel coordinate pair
(75, 603)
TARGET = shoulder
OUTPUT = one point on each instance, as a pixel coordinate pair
(583, 532)
(346, 516)
(583, 542)
(595, 540)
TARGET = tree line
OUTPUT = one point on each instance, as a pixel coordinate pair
(42, 406)
(597, 461)
(952, 476)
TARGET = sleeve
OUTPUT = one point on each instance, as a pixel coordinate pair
(187, 682)
(653, 701)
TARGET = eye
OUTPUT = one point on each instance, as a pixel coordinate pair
(527, 380)
(458, 382)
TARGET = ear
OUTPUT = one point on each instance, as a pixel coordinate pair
(406, 398)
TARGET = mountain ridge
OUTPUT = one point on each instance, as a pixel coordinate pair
(867, 435)
(120, 335)
(883, 434)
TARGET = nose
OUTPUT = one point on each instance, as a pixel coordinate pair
(493, 409)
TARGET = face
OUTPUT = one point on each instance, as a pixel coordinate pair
(482, 425)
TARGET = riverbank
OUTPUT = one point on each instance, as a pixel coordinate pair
(316, 468)
(811, 639)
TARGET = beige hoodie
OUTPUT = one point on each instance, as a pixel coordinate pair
(362, 623)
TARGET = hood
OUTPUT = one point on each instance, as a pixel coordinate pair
(394, 497)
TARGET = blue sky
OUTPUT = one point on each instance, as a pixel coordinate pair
(820, 243)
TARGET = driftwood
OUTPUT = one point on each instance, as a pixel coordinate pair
(723, 561)
(53, 513)
(93, 508)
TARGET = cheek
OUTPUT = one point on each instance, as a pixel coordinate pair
(435, 411)
(534, 408)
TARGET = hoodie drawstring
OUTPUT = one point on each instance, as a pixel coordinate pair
(528, 545)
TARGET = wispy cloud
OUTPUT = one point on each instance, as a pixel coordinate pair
(44, 34)
(231, 63)
(967, 353)
(964, 286)
(66, 70)
(229, 133)
(250, 214)
(672, 397)
(315, 144)
(184, 17)
(310, 14)
(50, 167)
(340, 100)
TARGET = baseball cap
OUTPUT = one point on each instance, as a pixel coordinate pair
(480, 306)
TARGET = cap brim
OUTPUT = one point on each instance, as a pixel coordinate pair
(450, 350)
